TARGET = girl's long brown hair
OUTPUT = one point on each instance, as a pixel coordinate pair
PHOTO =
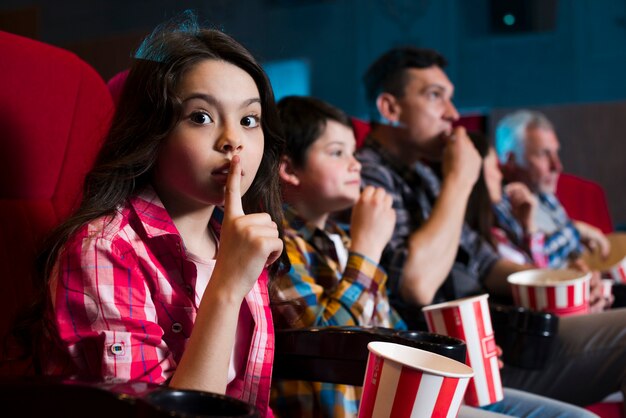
(479, 214)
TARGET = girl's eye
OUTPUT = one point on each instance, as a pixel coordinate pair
(201, 118)
(250, 121)
(336, 153)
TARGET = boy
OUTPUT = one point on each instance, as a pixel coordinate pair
(334, 279)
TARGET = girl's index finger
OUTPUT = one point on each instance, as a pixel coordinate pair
(232, 191)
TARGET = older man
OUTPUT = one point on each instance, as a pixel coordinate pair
(433, 256)
(528, 148)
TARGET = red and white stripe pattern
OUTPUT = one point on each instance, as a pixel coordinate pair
(607, 288)
(562, 300)
(469, 320)
(618, 272)
(391, 389)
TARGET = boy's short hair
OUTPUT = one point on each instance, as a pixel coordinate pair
(304, 120)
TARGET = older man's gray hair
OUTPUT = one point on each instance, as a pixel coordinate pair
(511, 133)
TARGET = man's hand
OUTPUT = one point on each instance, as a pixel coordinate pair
(597, 301)
(461, 160)
(593, 238)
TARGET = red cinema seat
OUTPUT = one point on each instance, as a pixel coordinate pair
(584, 200)
(116, 85)
(54, 112)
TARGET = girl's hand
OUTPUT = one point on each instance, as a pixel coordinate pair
(523, 204)
(372, 223)
(248, 243)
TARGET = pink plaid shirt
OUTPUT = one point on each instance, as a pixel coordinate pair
(125, 300)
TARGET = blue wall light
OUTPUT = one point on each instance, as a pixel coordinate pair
(289, 77)
(508, 19)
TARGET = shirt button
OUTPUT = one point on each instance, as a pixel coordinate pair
(117, 349)
(176, 327)
(189, 289)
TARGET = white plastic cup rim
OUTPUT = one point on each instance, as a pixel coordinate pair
(421, 360)
(562, 277)
(607, 285)
(454, 303)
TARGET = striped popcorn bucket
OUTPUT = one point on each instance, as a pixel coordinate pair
(607, 288)
(403, 382)
(468, 319)
(562, 292)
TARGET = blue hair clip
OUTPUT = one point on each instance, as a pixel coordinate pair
(153, 49)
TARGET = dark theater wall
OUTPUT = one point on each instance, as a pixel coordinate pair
(568, 52)
(581, 59)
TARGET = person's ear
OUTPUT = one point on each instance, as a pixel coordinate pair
(287, 173)
(388, 107)
(510, 168)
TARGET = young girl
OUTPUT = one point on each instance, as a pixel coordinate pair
(149, 280)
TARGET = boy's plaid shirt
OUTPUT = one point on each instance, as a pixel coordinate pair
(326, 296)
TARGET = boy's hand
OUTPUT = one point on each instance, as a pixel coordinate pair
(373, 221)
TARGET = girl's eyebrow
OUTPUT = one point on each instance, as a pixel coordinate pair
(210, 99)
(251, 101)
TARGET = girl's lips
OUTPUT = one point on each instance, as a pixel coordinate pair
(221, 170)
(220, 174)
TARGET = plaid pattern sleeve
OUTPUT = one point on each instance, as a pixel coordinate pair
(533, 246)
(104, 312)
(546, 249)
(293, 398)
(376, 173)
(564, 242)
(415, 191)
(328, 297)
(507, 222)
